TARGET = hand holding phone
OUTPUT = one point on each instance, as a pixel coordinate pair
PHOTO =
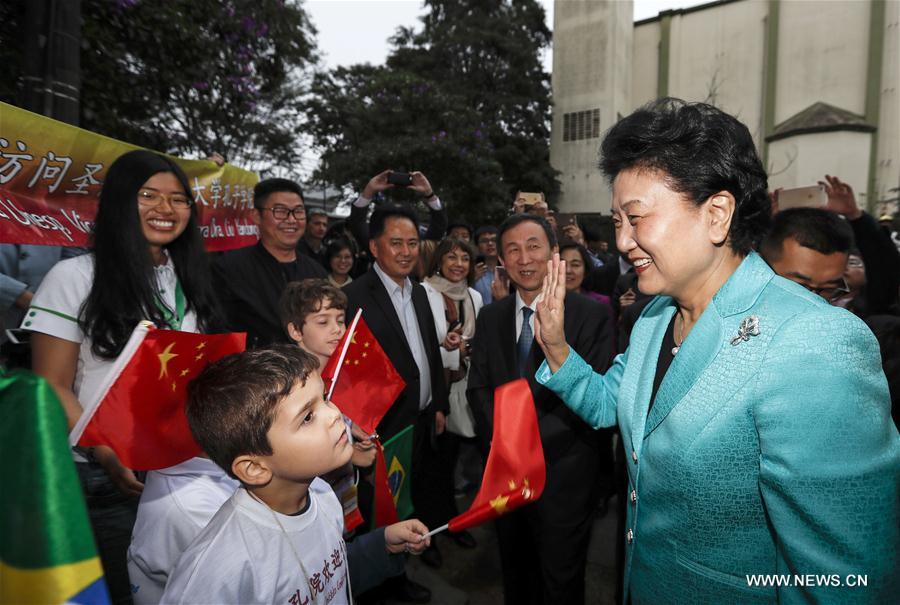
(399, 179)
(802, 197)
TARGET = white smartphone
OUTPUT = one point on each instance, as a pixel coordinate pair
(802, 197)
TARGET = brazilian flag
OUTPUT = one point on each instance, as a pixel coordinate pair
(47, 552)
(398, 458)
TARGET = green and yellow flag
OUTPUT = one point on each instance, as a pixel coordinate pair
(398, 458)
(47, 552)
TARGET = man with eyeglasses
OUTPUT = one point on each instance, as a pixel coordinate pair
(250, 280)
(812, 246)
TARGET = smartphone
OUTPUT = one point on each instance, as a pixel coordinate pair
(501, 271)
(479, 260)
(803, 197)
(17, 336)
(400, 179)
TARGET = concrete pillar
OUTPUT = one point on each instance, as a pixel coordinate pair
(592, 50)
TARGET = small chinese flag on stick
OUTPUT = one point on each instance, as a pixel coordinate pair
(362, 382)
(140, 408)
(515, 470)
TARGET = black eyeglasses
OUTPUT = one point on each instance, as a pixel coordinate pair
(831, 293)
(281, 213)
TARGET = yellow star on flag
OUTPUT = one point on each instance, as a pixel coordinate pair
(164, 359)
(198, 357)
(202, 345)
(499, 504)
(185, 372)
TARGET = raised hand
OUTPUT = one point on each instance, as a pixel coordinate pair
(840, 197)
(377, 183)
(573, 232)
(420, 183)
(500, 285)
(549, 320)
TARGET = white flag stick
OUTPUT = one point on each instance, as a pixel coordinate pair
(92, 400)
(347, 341)
(436, 531)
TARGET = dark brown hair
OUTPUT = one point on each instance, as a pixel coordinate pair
(232, 402)
(301, 299)
(448, 245)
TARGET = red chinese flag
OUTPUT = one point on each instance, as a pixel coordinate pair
(385, 510)
(362, 381)
(515, 473)
(140, 410)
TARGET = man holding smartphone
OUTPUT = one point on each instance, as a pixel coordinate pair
(391, 179)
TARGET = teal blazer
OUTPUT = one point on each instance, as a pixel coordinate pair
(771, 453)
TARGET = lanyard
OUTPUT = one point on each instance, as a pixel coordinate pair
(173, 320)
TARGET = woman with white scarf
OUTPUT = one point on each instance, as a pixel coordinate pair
(455, 305)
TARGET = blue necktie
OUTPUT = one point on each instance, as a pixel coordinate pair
(525, 339)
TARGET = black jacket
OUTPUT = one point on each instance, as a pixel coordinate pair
(369, 294)
(249, 282)
(589, 331)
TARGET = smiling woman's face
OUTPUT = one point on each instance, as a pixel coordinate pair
(662, 233)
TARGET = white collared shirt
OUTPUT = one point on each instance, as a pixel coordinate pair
(401, 298)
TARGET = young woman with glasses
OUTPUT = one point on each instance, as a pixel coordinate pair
(147, 263)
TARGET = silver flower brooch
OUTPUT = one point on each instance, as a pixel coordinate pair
(749, 327)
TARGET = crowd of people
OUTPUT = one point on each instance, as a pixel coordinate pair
(728, 370)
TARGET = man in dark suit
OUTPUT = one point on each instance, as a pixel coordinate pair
(543, 546)
(396, 310)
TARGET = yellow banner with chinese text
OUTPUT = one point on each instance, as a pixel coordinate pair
(51, 174)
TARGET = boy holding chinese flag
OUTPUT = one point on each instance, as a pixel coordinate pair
(262, 417)
(313, 315)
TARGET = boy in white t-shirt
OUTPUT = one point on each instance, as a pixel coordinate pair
(262, 417)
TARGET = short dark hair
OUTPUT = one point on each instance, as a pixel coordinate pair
(814, 228)
(383, 213)
(485, 230)
(233, 401)
(336, 246)
(446, 246)
(301, 299)
(517, 219)
(311, 212)
(586, 257)
(457, 225)
(267, 187)
(701, 150)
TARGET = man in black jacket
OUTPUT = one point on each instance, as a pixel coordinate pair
(437, 220)
(543, 546)
(397, 312)
(250, 280)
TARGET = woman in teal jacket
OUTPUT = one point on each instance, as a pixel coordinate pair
(755, 416)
